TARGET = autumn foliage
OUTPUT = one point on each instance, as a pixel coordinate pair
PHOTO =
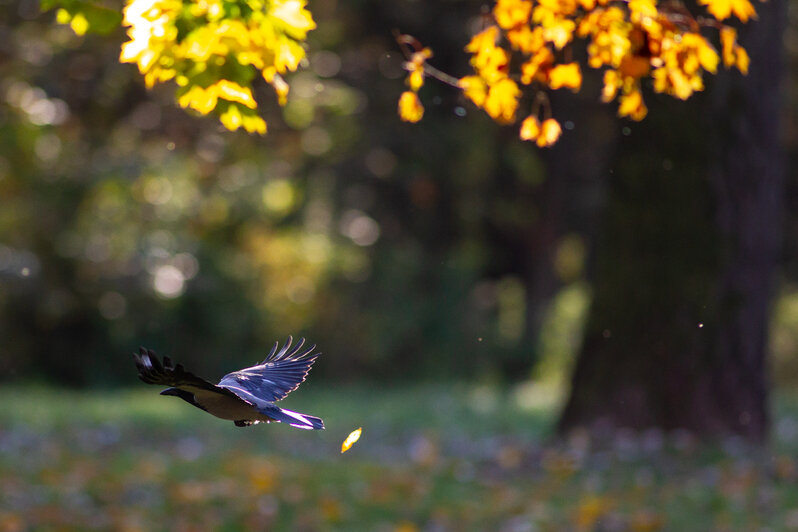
(526, 49)
(213, 50)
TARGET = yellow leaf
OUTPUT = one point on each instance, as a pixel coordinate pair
(416, 79)
(502, 100)
(355, 434)
(474, 89)
(232, 119)
(232, 91)
(511, 13)
(632, 105)
(568, 76)
(529, 70)
(640, 9)
(199, 99)
(287, 54)
(530, 128)
(590, 510)
(410, 108)
(254, 124)
(525, 38)
(483, 40)
(281, 88)
(722, 9)
(550, 131)
(559, 32)
(612, 80)
(292, 13)
(742, 59)
(491, 62)
(728, 40)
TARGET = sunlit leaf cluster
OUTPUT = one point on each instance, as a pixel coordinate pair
(527, 48)
(214, 49)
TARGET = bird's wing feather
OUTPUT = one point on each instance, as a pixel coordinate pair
(280, 373)
(152, 371)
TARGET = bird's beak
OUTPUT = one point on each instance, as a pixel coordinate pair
(170, 391)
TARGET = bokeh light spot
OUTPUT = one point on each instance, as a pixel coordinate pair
(169, 282)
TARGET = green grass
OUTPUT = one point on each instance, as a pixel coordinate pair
(454, 457)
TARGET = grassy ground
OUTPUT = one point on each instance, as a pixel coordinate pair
(456, 457)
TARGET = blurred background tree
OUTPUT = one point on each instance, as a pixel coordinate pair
(446, 250)
(686, 265)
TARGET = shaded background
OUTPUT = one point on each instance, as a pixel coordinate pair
(445, 250)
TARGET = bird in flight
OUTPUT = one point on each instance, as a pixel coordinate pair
(246, 396)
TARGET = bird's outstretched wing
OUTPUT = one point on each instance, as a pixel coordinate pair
(152, 371)
(280, 373)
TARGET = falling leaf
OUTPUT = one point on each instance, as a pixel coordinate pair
(351, 439)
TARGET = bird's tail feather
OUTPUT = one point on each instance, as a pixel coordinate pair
(295, 419)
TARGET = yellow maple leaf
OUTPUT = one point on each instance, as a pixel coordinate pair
(722, 9)
(416, 79)
(530, 128)
(232, 91)
(632, 105)
(640, 9)
(280, 87)
(550, 131)
(254, 124)
(296, 19)
(511, 13)
(568, 76)
(559, 31)
(410, 108)
(502, 100)
(201, 100)
(742, 59)
(529, 70)
(526, 39)
(483, 40)
(492, 63)
(287, 54)
(231, 119)
(352, 438)
(728, 40)
(474, 89)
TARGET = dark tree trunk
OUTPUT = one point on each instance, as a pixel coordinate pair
(676, 336)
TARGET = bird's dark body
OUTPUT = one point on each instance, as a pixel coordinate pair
(245, 397)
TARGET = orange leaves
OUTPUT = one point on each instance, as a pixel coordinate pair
(527, 51)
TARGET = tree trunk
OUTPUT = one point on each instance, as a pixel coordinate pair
(676, 336)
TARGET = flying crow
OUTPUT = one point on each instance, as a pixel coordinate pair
(246, 396)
